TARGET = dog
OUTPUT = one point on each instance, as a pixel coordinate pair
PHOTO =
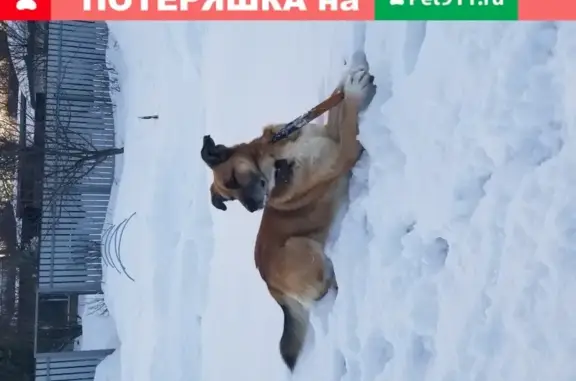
(299, 182)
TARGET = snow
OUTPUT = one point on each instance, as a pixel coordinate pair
(167, 245)
(99, 330)
(455, 258)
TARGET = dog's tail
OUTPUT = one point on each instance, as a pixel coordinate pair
(296, 322)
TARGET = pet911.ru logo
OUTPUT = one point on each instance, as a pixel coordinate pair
(26, 5)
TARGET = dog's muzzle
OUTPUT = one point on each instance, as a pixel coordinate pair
(255, 195)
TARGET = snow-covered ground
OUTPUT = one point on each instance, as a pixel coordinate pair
(457, 255)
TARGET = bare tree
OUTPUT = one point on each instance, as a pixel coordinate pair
(68, 147)
(73, 153)
(16, 352)
(22, 40)
(59, 153)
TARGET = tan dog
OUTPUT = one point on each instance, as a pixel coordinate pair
(300, 182)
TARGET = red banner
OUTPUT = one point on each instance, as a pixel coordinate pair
(187, 9)
(29, 10)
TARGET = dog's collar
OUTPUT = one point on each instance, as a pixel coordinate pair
(291, 127)
(308, 117)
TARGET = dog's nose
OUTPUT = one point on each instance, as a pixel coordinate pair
(262, 183)
(251, 205)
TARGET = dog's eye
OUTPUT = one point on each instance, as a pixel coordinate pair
(233, 182)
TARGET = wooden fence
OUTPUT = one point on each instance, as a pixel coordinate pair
(79, 109)
(72, 107)
(69, 366)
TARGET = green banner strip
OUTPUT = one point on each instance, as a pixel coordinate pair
(472, 10)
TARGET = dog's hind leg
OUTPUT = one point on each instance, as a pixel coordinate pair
(298, 281)
(304, 270)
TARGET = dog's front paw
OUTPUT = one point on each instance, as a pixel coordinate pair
(358, 84)
(359, 87)
(283, 171)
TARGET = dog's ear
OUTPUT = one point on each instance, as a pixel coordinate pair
(217, 200)
(213, 154)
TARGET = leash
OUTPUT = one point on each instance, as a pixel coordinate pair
(308, 117)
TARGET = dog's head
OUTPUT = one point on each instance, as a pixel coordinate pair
(237, 175)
